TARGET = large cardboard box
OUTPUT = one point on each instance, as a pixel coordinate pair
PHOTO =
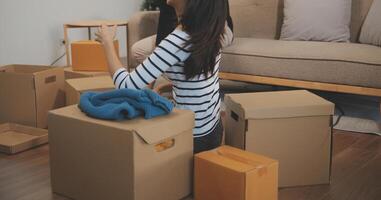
(138, 159)
(75, 87)
(71, 74)
(28, 92)
(293, 127)
(227, 173)
(89, 55)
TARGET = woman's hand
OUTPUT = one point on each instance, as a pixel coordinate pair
(106, 34)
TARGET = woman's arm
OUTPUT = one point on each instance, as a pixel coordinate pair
(169, 52)
(106, 36)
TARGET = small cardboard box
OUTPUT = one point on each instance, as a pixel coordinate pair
(227, 173)
(70, 74)
(15, 138)
(293, 127)
(28, 92)
(75, 87)
(138, 159)
(89, 55)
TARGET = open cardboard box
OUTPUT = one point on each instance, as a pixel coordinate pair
(15, 138)
(28, 92)
(130, 159)
(75, 87)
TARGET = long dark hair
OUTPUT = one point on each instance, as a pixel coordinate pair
(204, 21)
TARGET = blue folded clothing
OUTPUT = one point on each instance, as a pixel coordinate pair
(124, 104)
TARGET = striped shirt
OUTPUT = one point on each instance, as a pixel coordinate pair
(199, 94)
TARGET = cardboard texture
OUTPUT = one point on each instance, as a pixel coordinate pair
(28, 92)
(75, 87)
(70, 74)
(89, 55)
(15, 138)
(293, 127)
(228, 173)
(138, 159)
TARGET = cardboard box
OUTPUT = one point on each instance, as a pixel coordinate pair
(75, 87)
(227, 173)
(15, 138)
(89, 55)
(138, 159)
(28, 92)
(70, 74)
(293, 127)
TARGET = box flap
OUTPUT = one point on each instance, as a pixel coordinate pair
(24, 69)
(91, 83)
(151, 131)
(284, 104)
(17, 105)
(50, 94)
(236, 159)
(70, 74)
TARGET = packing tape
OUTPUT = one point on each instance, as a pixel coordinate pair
(262, 169)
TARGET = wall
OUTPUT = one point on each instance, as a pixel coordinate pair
(31, 31)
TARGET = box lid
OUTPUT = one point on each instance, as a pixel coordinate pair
(151, 131)
(91, 83)
(236, 159)
(283, 104)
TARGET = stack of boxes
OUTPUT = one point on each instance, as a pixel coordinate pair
(293, 127)
(153, 159)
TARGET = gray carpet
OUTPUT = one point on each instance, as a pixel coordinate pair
(361, 113)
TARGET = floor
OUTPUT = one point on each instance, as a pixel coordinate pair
(356, 173)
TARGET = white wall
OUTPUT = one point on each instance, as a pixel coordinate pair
(31, 30)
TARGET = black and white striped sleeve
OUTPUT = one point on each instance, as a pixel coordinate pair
(170, 51)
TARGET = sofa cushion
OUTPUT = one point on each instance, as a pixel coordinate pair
(371, 30)
(303, 20)
(340, 63)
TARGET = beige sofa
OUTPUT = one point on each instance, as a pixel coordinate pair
(258, 56)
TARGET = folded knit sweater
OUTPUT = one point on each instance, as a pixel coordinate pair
(124, 104)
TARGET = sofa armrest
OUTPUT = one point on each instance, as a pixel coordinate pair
(141, 25)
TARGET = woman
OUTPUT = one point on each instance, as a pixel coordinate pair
(190, 58)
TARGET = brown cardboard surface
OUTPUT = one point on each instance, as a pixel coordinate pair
(301, 143)
(70, 74)
(90, 56)
(15, 138)
(75, 87)
(227, 173)
(131, 159)
(28, 92)
(281, 104)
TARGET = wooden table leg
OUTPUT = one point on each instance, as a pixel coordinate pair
(89, 32)
(66, 39)
(127, 53)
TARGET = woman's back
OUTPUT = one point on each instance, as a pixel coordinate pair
(199, 94)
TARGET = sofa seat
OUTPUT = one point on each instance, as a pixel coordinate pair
(339, 63)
